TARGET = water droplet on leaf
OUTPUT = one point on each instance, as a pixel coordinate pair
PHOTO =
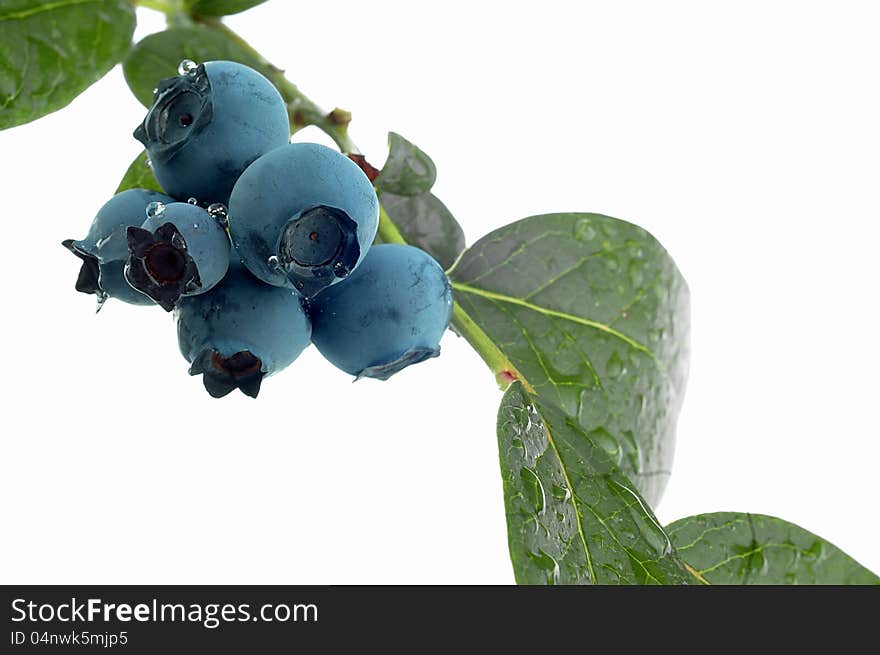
(534, 489)
(547, 564)
(605, 440)
(562, 494)
(614, 368)
(583, 230)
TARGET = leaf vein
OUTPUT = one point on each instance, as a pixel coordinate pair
(546, 311)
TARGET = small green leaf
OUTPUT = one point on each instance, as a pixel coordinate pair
(139, 176)
(737, 548)
(219, 7)
(572, 516)
(50, 52)
(157, 56)
(424, 221)
(408, 171)
(593, 313)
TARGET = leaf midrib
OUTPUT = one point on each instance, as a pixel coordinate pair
(574, 503)
(43, 8)
(546, 311)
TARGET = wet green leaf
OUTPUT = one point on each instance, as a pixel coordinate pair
(157, 56)
(572, 516)
(220, 7)
(50, 52)
(738, 548)
(408, 171)
(593, 313)
(424, 221)
(139, 176)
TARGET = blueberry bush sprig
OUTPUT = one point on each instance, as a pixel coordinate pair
(261, 247)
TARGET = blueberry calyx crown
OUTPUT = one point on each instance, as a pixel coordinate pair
(160, 266)
(221, 375)
(316, 247)
(89, 278)
(181, 108)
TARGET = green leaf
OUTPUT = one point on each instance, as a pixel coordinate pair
(157, 56)
(737, 548)
(139, 176)
(408, 171)
(593, 313)
(50, 52)
(572, 516)
(425, 222)
(219, 7)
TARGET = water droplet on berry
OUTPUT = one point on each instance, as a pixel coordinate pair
(155, 209)
(192, 201)
(219, 213)
(102, 298)
(341, 270)
(187, 67)
(273, 263)
(149, 163)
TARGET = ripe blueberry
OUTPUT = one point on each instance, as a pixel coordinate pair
(104, 249)
(303, 216)
(180, 250)
(207, 125)
(390, 313)
(241, 331)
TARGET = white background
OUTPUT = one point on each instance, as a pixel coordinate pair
(744, 135)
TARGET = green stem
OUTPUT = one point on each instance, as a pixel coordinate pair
(302, 111)
(388, 231)
(505, 372)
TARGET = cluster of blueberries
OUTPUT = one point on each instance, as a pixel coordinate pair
(259, 246)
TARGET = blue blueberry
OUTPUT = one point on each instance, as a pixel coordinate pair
(390, 313)
(206, 126)
(303, 216)
(240, 332)
(180, 250)
(104, 249)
